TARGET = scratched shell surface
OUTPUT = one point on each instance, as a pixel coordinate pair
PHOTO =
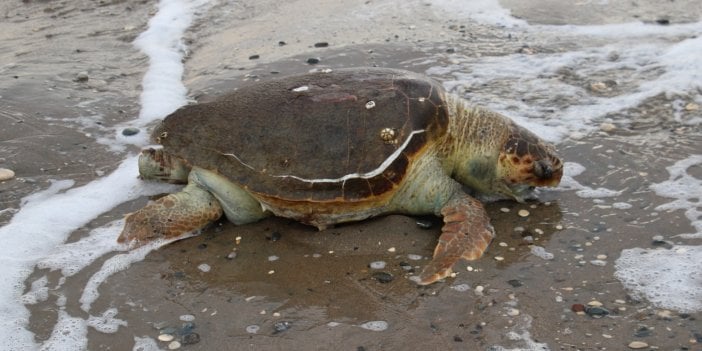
(341, 135)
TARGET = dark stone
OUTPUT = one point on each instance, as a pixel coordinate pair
(596, 312)
(663, 21)
(643, 332)
(313, 60)
(282, 43)
(254, 57)
(130, 131)
(321, 44)
(275, 236)
(457, 338)
(281, 326)
(383, 277)
(186, 328)
(450, 50)
(202, 246)
(515, 283)
(189, 339)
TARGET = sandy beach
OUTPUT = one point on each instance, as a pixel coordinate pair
(610, 260)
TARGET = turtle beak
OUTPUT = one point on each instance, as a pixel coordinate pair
(548, 171)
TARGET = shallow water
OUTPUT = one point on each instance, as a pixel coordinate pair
(621, 101)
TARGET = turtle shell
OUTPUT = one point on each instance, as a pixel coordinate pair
(345, 135)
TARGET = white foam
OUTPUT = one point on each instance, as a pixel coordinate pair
(687, 192)
(38, 292)
(482, 11)
(113, 265)
(529, 88)
(106, 323)
(669, 279)
(70, 333)
(46, 219)
(568, 182)
(163, 89)
(145, 344)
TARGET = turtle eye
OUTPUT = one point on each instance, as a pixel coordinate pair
(543, 169)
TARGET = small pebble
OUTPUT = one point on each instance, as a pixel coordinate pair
(383, 277)
(6, 174)
(275, 236)
(130, 131)
(503, 244)
(601, 257)
(375, 325)
(281, 326)
(377, 265)
(254, 57)
(313, 60)
(596, 312)
(189, 339)
(504, 209)
(599, 263)
(321, 44)
(424, 223)
(664, 314)
(607, 127)
(414, 257)
(515, 283)
(578, 307)
(638, 345)
(643, 332)
(82, 77)
(174, 345)
(598, 86)
(231, 255)
(166, 337)
(252, 329)
(282, 43)
(692, 107)
(392, 249)
(499, 258)
(595, 303)
(523, 213)
(513, 312)
(204, 267)
(187, 318)
(406, 266)
(461, 287)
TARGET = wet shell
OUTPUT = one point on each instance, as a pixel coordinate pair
(259, 137)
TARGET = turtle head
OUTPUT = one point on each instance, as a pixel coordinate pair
(525, 161)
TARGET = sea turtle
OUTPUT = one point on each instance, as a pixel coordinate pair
(338, 146)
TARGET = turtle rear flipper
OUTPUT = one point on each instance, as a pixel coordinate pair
(171, 216)
(466, 234)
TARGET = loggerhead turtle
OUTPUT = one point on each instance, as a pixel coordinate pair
(331, 147)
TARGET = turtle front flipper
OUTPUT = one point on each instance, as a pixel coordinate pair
(171, 216)
(466, 234)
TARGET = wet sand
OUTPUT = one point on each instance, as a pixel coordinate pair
(321, 283)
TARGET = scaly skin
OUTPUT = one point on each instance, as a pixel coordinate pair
(482, 150)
